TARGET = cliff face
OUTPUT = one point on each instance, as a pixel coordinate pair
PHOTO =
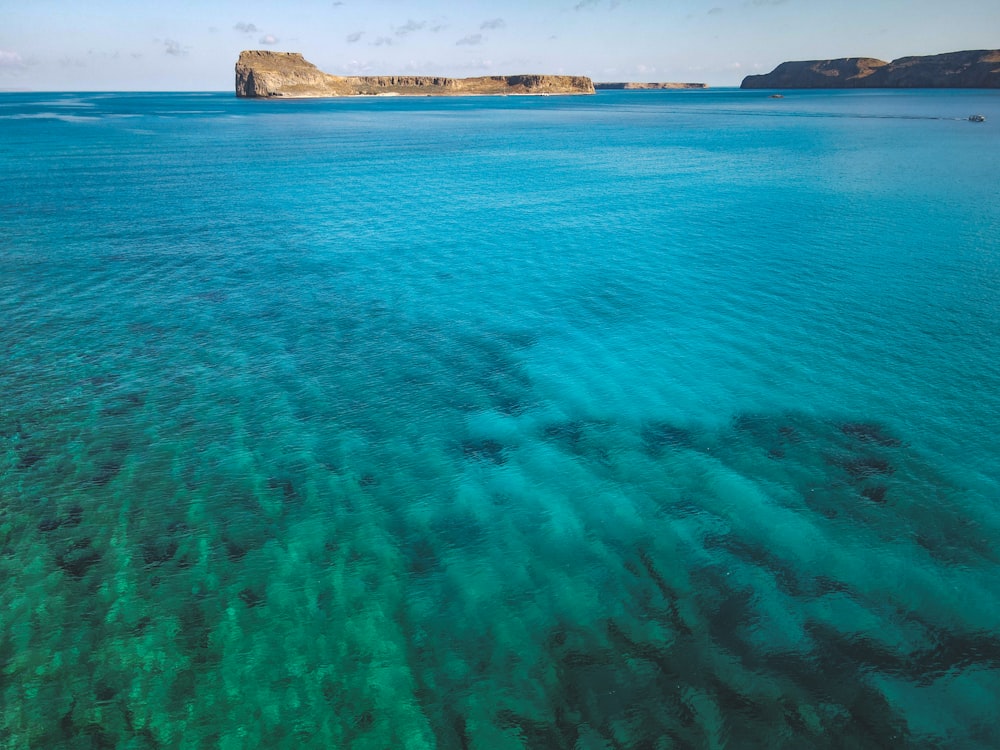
(264, 74)
(966, 70)
(631, 85)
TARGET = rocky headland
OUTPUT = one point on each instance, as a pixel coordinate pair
(640, 86)
(971, 69)
(264, 74)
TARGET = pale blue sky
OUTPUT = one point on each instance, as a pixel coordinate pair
(187, 45)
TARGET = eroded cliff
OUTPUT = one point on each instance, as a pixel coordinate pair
(969, 69)
(265, 74)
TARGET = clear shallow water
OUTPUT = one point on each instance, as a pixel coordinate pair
(640, 420)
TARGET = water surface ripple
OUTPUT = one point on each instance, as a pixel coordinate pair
(641, 420)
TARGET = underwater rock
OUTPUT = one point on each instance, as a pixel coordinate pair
(156, 552)
(865, 467)
(670, 597)
(29, 459)
(286, 487)
(731, 700)
(866, 432)
(856, 653)
(106, 472)
(104, 693)
(124, 404)
(235, 551)
(656, 575)
(735, 612)
(759, 556)
(953, 652)
(460, 727)
(195, 631)
(770, 433)
(421, 556)
(485, 450)
(789, 433)
(826, 585)
(876, 493)
(100, 738)
(49, 524)
(74, 516)
(535, 733)
(250, 597)
(659, 435)
(569, 432)
(586, 659)
(78, 559)
(244, 531)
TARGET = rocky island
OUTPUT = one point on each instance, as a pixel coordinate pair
(960, 70)
(263, 74)
(634, 86)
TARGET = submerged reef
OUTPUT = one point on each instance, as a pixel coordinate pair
(758, 583)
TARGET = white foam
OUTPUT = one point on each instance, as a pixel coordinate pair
(50, 116)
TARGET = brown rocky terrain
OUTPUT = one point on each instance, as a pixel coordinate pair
(265, 74)
(639, 86)
(969, 69)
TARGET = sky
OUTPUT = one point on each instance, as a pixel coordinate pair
(192, 45)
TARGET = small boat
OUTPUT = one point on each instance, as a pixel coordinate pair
(977, 118)
(777, 96)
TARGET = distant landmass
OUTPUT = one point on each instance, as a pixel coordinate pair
(974, 69)
(632, 85)
(265, 74)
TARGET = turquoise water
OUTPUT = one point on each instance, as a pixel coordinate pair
(641, 420)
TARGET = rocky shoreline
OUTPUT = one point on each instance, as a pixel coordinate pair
(262, 74)
(641, 86)
(968, 69)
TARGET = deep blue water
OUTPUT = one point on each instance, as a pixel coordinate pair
(641, 420)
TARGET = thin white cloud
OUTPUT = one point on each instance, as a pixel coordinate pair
(355, 36)
(10, 60)
(173, 47)
(483, 64)
(471, 39)
(493, 23)
(383, 41)
(246, 28)
(409, 27)
(588, 4)
(268, 39)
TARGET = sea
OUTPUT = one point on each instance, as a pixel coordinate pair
(642, 420)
